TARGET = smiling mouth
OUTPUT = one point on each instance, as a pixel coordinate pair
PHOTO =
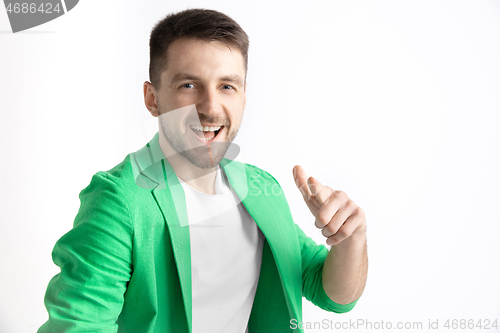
(207, 133)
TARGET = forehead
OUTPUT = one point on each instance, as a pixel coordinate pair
(204, 58)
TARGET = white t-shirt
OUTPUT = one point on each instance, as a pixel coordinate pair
(226, 254)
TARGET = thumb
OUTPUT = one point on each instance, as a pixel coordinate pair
(300, 177)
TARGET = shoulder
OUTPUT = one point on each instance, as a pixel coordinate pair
(121, 178)
(116, 176)
(255, 172)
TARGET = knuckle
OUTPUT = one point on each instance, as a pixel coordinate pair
(343, 233)
(318, 224)
(322, 217)
(332, 229)
(351, 205)
(335, 239)
(361, 212)
(340, 194)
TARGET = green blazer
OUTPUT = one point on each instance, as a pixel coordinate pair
(126, 263)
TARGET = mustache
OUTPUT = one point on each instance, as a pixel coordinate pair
(212, 120)
(191, 116)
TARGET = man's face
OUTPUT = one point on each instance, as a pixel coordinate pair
(203, 85)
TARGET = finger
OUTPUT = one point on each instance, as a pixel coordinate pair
(326, 214)
(345, 231)
(318, 224)
(347, 208)
(300, 178)
(319, 192)
(336, 222)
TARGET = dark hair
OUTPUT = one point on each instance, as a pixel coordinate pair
(205, 24)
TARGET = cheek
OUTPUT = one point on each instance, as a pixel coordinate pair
(178, 100)
(237, 104)
(183, 98)
(236, 120)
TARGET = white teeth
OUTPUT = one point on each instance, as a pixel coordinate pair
(205, 128)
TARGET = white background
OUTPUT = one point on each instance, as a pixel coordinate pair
(394, 102)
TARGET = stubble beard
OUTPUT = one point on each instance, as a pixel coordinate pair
(206, 156)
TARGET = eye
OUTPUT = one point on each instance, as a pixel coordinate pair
(227, 87)
(187, 85)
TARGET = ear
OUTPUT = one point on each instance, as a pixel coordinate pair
(150, 99)
(245, 96)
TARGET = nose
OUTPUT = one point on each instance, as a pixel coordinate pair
(209, 103)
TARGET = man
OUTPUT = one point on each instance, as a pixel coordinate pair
(168, 241)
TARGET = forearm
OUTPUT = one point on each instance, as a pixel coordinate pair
(345, 269)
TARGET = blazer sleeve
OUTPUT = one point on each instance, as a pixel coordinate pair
(95, 258)
(313, 257)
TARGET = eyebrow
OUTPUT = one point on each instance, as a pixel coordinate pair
(186, 76)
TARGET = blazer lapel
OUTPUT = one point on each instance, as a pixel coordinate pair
(270, 212)
(152, 171)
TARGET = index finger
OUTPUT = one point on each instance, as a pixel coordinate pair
(319, 192)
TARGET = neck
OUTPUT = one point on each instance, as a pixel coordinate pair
(200, 179)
